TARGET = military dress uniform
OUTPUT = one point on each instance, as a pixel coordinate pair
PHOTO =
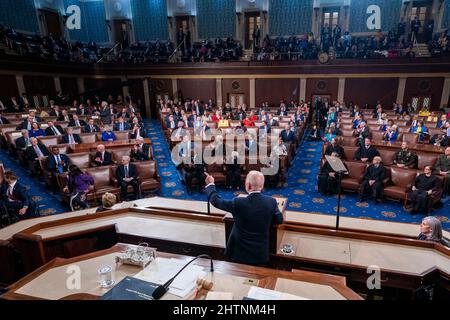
(406, 157)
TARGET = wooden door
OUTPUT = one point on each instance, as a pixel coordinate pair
(236, 99)
(252, 20)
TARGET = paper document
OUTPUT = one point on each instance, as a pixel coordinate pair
(267, 294)
(161, 270)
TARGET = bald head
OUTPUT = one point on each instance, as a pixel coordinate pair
(254, 181)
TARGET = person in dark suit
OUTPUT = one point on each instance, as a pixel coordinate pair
(287, 135)
(373, 180)
(3, 120)
(105, 113)
(272, 122)
(24, 102)
(121, 125)
(26, 124)
(76, 122)
(34, 117)
(367, 152)
(91, 127)
(55, 112)
(64, 116)
(328, 183)
(34, 153)
(102, 157)
(24, 141)
(137, 129)
(127, 175)
(253, 216)
(70, 137)
(251, 145)
(56, 162)
(14, 198)
(233, 171)
(140, 151)
(82, 110)
(334, 147)
(424, 186)
(54, 130)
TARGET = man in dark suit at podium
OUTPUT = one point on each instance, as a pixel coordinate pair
(253, 216)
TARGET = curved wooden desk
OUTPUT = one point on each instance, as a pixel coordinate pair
(49, 281)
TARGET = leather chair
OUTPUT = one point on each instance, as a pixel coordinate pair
(399, 183)
(81, 160)
(346, 120)
(352, 181)
(411, 138)
(349, 152)
(377, 135)
(347, 132)
(349, 141)
(50, 140)
(426, 159)
(436, 196)
(404, 129)
(122, 135)
(87, 138)
(104, 181)
(387, 156)
(118, 154)
(347, 126)
(374, 127)
(148, 176)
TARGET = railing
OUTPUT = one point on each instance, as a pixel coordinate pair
(112, 49)
(176, 50)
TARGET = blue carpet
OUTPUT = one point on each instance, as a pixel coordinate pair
(301, 187)
(47, 202)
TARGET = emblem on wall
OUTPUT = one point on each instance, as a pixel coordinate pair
(235, 85)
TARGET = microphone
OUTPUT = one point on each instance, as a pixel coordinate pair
(161, 290)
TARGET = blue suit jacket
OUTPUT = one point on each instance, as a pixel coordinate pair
(253, 217)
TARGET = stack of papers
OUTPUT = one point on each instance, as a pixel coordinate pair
(257, 293)
(161, 270)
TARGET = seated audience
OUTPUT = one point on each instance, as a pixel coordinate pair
(390, 135)
(108, 202)
(54, 130)
(36, 131)
(420, 129)
(78, 185)
(424, 186)
(367, 152)
(405, 158)
(431, 230)
(328, 184)
(24, 141)
(127, 175)
(76, 122)
(15, 201)
(56, 162)
(37, 151)
(334, 147)
(102, 157)
(442, 168)
(91, 127)
(108, 135)
(70, 137)
(140, 151)
(121, 125)
(373, 180)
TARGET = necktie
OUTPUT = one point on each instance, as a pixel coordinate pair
(60, 167)
(29, 125)
(9, 192)
(38, 151)
(121, 126)
(77, 123)
(92, 129)
(71, 139)
(126, 171)
(103, 156)
(56, 131)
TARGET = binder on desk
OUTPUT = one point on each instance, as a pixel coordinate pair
(131, 289)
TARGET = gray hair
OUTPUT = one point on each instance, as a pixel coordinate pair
(435, 226)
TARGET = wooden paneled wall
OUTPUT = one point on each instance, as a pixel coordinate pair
(424, 87)
(8, 87)
(362, 91)
(275, 90)
(40, 85)
(202, 89)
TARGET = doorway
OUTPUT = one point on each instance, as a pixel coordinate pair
(422, 10)
(236, 99)
(252, 22)
(51, 23)
(121, 32)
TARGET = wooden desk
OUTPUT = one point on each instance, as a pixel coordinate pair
(425, 148)
(49, 281)
(89, 147)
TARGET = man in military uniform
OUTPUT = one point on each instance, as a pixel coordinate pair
(442, 168)
(405, 158)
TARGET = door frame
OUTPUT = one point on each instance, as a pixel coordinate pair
(247, 37)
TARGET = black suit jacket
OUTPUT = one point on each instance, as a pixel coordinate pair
(373, 173)
(120, 172)
(72, 123)
(20, 143)
(370, 153)
(31, 154)
(76, 137)
(52, 166)
(53, 113)
(19, 193)
(126, 126)
(107, 159)
(49, 131)
(287, 137)
(87, 129)
(23, 125)
(61, 117)
(4, 120)
(253, 216)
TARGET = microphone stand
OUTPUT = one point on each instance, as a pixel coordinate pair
(161, 290)
(338, 211)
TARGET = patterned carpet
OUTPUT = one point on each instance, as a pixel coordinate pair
(301, 189)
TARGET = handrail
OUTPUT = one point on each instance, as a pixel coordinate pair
(176, 50)
(117, 44)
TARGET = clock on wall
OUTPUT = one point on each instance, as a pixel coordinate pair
(324, 58)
